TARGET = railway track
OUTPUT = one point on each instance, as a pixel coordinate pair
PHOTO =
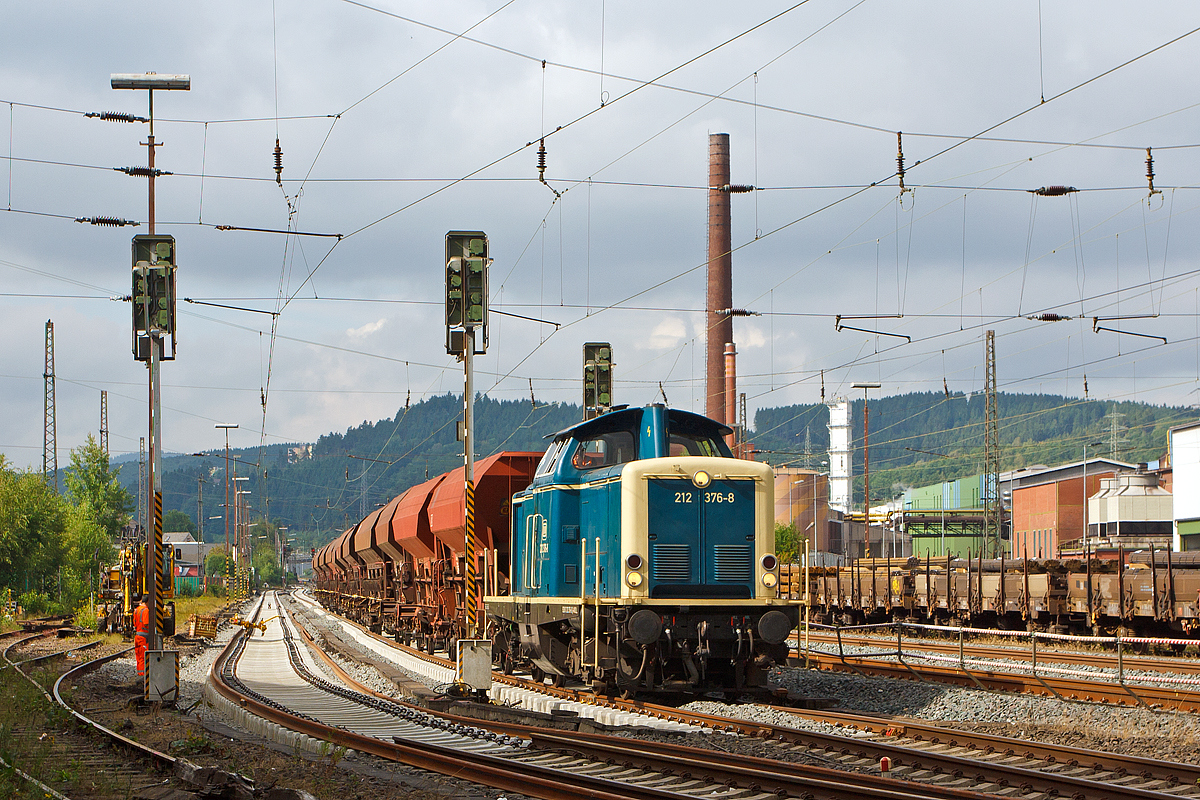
(522, 758)
(969, 674)
(89, 770)
(1106, 661)
(85, 760)
(916, 751)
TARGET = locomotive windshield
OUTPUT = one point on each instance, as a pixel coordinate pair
(605, 450)
(693, 435)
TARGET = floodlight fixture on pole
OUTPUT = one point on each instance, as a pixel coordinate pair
(867, 464)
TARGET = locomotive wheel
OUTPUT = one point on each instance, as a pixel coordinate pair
(536, 673)
(560, 681)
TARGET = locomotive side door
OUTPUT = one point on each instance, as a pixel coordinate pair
(530, 532)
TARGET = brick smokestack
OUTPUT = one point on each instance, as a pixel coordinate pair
(718, 328)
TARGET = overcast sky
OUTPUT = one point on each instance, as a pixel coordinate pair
(381, 113)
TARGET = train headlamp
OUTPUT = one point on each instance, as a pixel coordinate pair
(634, 579)
(769, 580)
(702, 479)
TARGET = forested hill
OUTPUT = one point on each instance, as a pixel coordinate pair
(326, 490)
(1033, 429)
(317, 496)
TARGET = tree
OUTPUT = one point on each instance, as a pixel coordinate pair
(94, 486)
(178, 521)
(33, 520)
(51, 551)
(216, 562)
(787, 545)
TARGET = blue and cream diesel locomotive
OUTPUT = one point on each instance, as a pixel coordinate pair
(643, 559)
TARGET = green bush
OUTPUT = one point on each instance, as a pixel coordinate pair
(35, 603)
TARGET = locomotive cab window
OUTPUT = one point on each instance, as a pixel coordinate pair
(686, 444)
(693, 435)
(546, 465)
(605, 450)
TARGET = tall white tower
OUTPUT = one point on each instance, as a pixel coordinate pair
(840, 464)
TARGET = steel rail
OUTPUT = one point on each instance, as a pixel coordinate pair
(1177, 664)
(141, 749)
(918, 730)
(60, 653)
(1064, 689)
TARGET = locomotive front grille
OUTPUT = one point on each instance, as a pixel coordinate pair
(733, 562)
(671, 563)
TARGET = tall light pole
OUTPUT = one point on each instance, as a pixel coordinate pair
(866, 463)
(226, 428)
(154, 321)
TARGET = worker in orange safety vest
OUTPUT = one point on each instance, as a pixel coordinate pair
(141, 636)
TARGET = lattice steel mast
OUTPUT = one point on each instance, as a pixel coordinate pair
(104, 421)
(993, 503)
(49, 423)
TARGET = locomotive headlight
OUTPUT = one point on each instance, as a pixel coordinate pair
(633, 562)
(769, 562)
(769, 580)
(701, 479)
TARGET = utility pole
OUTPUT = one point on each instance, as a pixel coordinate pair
(49, 421)
(866, 464)
(200, 508)
(154, 263)
(228, 553)
(993, 503)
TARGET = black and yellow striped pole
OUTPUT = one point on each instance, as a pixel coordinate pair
(472, 594)
(160, 592)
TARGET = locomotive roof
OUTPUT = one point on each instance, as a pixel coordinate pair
(624, 417)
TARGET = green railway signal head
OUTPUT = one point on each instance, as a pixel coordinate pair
(153, 296)
(466, 289)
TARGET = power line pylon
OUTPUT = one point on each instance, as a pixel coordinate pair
(1115, 429)
(50, 424)
(993, 503)
(104, 421)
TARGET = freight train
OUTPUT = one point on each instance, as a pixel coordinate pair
(636, 554)
(1154, 594)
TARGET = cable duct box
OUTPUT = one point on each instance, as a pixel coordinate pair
(162, 676)
(473, 665)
